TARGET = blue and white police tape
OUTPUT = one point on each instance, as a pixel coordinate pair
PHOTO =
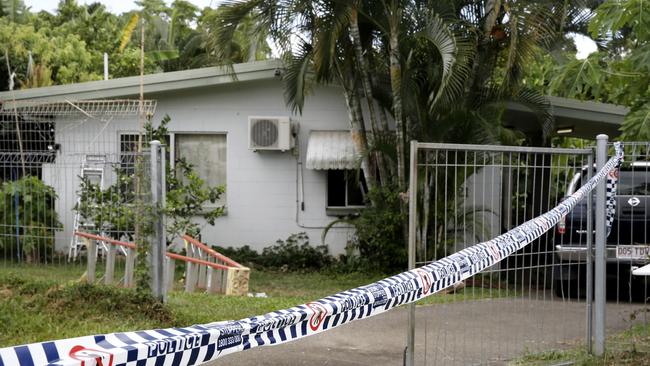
(201, 343)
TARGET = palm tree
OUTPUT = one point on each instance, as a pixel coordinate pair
(441, 70)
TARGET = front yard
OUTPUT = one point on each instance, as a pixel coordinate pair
(50, 302)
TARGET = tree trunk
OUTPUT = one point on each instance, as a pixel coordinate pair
(357, 127)
(396, 86)
(367, 87)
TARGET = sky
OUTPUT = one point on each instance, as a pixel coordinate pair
(584, 44)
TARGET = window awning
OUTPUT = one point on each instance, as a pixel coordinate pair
(331, 150)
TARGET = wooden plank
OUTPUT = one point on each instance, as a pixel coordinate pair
(91, 252)
(110, 264)
(190, 277)
(212, 280)
(237, 281)
(170, 269)
(201, 271)
(129, 268)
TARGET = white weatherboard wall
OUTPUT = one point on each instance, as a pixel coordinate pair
(261, 186)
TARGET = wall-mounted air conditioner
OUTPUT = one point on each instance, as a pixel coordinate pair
(269, 133)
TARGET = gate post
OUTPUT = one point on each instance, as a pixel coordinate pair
(158, 241)
(590, 259)
(600, 259)
(409, 356)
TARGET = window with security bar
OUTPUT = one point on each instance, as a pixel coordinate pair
(38, 145)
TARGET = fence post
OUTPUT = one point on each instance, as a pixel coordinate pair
(129, 267)
(91, 251)
(600, 264)
(409, 357)
(190, 270)
(158, 245)
(590, 259)
(110, 264)
(169, 274)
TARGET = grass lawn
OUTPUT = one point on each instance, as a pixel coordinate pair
(44, 303)
(631, 347)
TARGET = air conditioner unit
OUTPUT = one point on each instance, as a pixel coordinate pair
(269, 133)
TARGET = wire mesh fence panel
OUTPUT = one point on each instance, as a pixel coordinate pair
(535, 299)
(628, 246)
(65, 167)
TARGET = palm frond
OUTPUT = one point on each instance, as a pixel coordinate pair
(540, 105)
(332, 27)
(454, 54)
(163, 55)
(127, 32)
(298, 76)
(222, 32)
(636, 126)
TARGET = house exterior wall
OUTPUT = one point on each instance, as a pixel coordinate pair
(262, 187)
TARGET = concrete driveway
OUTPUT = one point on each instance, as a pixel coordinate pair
(490, 331)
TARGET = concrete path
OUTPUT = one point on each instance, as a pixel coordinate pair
(460, 333)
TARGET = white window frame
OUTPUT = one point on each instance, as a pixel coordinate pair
(340, 210)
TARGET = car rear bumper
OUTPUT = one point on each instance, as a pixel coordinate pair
(578, 254)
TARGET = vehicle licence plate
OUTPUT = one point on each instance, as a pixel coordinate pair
(641, 252)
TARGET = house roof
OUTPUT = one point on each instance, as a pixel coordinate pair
(585, 119)
(153, 83)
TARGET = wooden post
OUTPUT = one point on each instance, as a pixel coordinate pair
(202, 271)
(190, 272)
(91, 251)
(237, 281)
(169, 274)
(212, 280)
(129, 267)
(110, 264)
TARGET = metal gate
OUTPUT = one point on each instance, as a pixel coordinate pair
(536, 299)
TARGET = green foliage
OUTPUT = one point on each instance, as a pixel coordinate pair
(64, 55)
(293, 254)
(31, 202)
(187, 197)
(379, 237)
(618, 73)
(68, 46)
(14, 10)
(113, 209)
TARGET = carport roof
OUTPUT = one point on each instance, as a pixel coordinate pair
(585, 119)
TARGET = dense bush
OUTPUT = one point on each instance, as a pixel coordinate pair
(379, 237)
(28, 218)
(293, 254)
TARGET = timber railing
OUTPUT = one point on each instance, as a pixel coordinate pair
(205, 268)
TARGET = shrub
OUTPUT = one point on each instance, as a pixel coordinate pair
(28, 217)
(379, 237)
(293, 254)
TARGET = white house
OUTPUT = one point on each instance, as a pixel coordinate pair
(269, 194)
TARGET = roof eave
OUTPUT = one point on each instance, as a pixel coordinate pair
(154, 83)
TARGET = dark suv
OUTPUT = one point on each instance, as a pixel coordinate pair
(628, 243)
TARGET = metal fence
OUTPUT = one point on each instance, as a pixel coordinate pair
(536, 299)
(65, 166)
